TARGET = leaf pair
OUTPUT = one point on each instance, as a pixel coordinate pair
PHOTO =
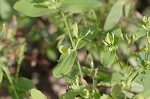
(68, 56)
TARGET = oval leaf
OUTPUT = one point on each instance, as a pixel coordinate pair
(77, 6)
(36, 94)
(65, 64)
(108, 58)
(114, 15)
(31, 8)
(23, 84)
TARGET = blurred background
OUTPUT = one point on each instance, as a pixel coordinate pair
(43, 35)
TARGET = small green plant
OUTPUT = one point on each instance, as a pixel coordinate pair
(12, 51)
(105, 41)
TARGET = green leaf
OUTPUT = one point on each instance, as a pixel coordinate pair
(143, 58)
(70, 94)
(104, 96)
(96, 94)
(2, 34)
(21, 53)
(23, 84)
(51, 54)
(1, 75)
(63, 49)
(126, 9)
(108, 58)
(77, 6)
(117, 35)
(6, 71)
(116, 90)
(36, 94)
(143, 95)
(114, 15)
(31, 8)
(87, 35)
(65, 64)
(140, 33)
(116, 78)
(75, 30)
(5, 9)
(146, 81)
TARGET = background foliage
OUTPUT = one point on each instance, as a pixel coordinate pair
(99, 48)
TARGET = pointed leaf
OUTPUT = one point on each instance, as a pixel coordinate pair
(36, 94)
(64, 64)
(140, 33)
(70, 94)
(31, 8)
(114, 15)
(77, 6)
(108, 58)
(87, 35)
(75, 30)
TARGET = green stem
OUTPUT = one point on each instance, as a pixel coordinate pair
(18, 66)
(80, 70)
(10, 80)
(17, 97)
(67, 27)
(119, 63)
(17, 71)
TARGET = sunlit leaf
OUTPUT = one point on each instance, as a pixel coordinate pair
(104, 96)
(75, 30)
(76, 6)
(31, 8)
(63, 49)
(36, 94)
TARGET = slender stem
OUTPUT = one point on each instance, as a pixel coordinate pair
(17, 71)
(67, 27)
(17, 97)
(18, 66)
(93, 84)
(80, 70)
(69, 33)
(119, 62)
(10, 81)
